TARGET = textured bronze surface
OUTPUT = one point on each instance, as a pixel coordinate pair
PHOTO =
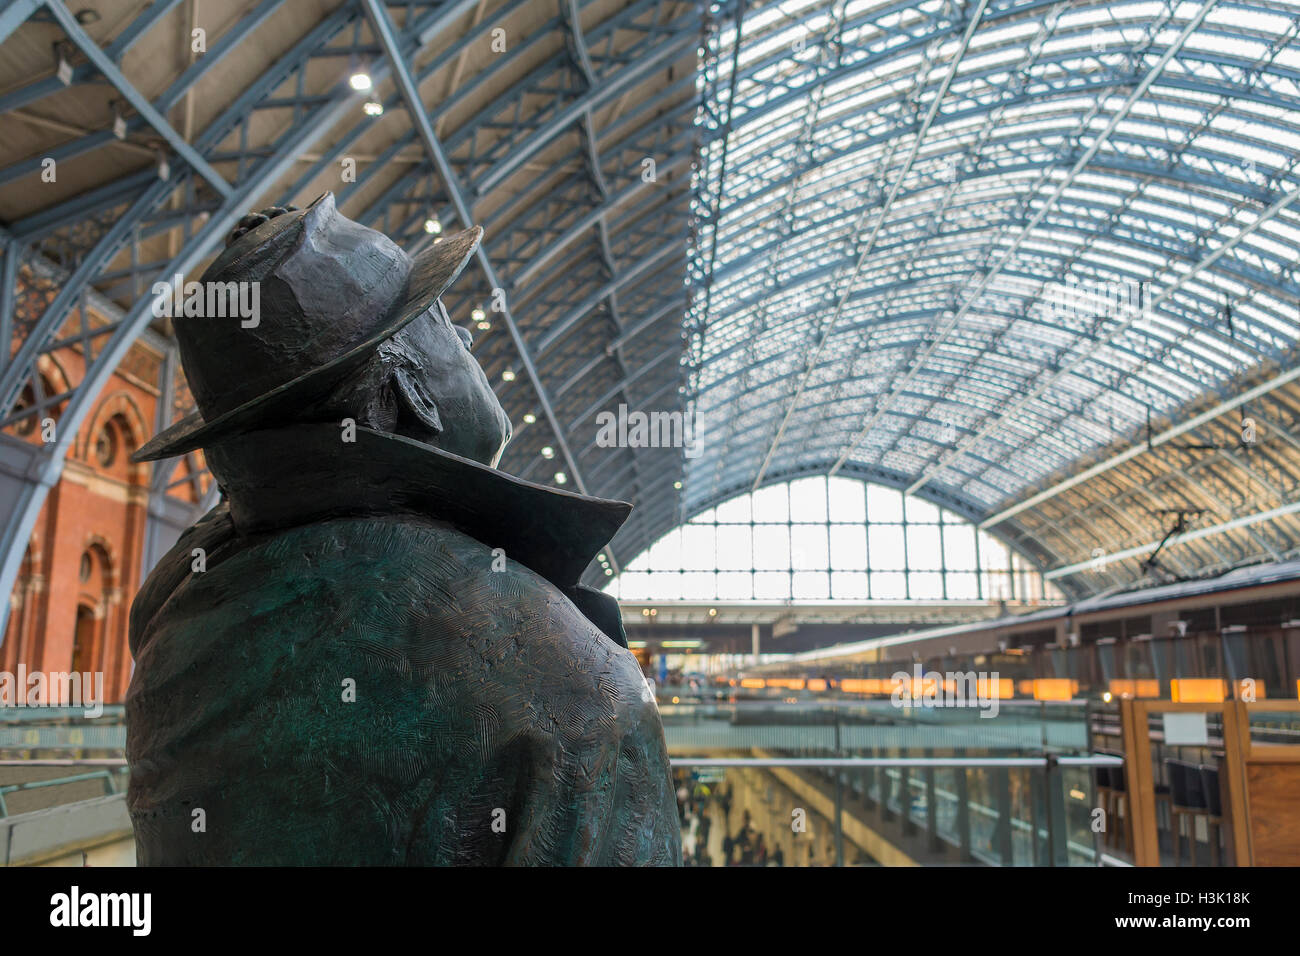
(375, 650)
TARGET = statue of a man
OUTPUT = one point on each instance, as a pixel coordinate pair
(375, 650)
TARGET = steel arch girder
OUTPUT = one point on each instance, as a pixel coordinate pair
(26, 496)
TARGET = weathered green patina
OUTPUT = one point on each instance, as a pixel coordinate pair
(375, 651)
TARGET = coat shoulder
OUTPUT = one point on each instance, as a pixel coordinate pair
(415, 588)
(403, 667)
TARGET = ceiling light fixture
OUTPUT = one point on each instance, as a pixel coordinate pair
(62, 68)
(360, 79)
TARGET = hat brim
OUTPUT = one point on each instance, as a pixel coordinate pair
(432, 271)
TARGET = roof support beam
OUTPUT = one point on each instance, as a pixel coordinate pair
(83, 73)
(574, 112)
(1198, 534)
(641, 369)
(592, 218)
(387, 36)
(644, 264)
(1079, 166)
(15, 15)
(133, 96)
(13, 252)
(867, 246)
(83, 206)
(573, 18)
(25, 484)
(1225, 406)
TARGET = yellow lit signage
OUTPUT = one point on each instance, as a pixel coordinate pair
(1002, 688)
(789, 683)
(1197, 690)
(1055, 688)
(864, 685)
(1141, 688)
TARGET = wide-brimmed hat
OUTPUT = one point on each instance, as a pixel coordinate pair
(329, 292)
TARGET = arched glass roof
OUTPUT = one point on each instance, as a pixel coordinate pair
(961, 248)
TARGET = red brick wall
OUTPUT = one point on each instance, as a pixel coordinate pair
(96, 513)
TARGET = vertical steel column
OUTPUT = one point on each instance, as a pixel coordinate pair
(963, 812)
(1002, 833)
(1058, 835)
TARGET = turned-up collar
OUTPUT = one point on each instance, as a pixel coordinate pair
(289, 476)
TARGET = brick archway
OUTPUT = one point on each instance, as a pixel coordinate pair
(119, 415)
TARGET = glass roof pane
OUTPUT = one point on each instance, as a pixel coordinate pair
(885, 251)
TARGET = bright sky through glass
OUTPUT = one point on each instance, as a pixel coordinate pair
(838, 539)
(946, 358)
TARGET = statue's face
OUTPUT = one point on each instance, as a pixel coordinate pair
(473, 423)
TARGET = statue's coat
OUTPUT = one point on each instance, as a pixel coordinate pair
(493, 722)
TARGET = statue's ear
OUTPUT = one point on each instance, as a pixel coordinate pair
(412, 395)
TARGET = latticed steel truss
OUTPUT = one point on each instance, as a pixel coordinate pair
(968, 249)
(566, 130)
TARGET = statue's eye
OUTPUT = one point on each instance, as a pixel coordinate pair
(465, 337)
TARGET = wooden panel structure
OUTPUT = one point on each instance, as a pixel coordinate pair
(1141, 785)
(1261, 783)
(1273, 791)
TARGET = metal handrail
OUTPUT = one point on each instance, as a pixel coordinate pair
(106, 775)
(113, 713)
(64, 762)
(1094, 760)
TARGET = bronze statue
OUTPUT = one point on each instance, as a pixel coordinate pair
(375, 650)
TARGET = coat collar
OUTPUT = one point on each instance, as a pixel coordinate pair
(289, 476)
